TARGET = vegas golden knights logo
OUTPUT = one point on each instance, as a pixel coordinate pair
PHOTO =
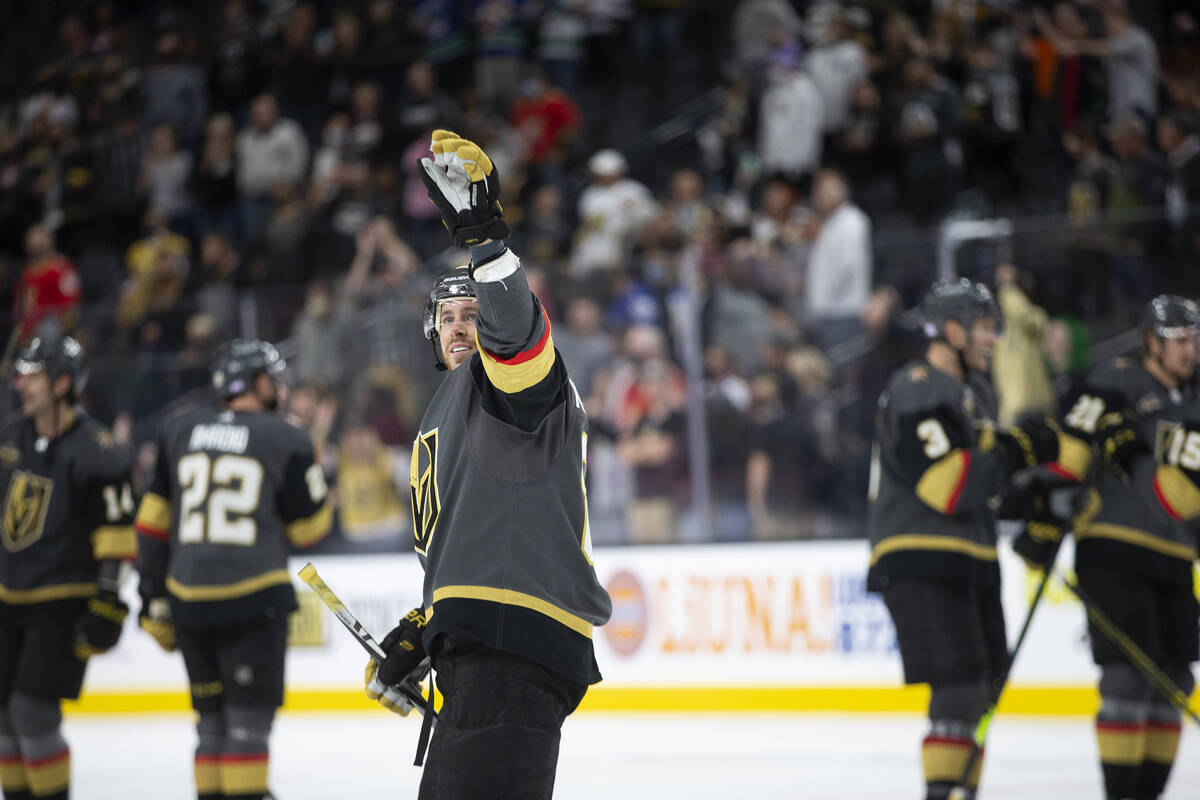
(25, 506)
(423, 483)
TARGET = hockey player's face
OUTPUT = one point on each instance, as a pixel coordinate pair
(34, 388)
(456, 330)
(1179, 357)
(980, 344)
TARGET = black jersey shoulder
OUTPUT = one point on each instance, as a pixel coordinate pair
(918, 386)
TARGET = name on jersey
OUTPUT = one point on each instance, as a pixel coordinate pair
(226, 438)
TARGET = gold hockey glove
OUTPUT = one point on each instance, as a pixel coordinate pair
(155, 619)
(405, 652)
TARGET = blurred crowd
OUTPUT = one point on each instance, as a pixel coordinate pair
(726, 207)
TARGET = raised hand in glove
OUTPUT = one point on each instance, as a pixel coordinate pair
(405, 652)
(155, 619)
(465, 186)
(100, 627)
(1030, 442)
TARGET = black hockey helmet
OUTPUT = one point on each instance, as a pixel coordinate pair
(57, 355)
(240, 362)
(1170, 316)
(453, 285)
(959, 299)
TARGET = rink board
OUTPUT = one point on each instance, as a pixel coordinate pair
(754, 627)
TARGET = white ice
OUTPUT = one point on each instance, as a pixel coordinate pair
(622, 757)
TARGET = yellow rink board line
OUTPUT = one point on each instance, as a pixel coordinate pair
(1042, 700)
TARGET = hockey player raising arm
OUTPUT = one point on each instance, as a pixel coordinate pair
(1134, 548)
(67, 529)
(511, 598)
(938, 463)
(232, 488)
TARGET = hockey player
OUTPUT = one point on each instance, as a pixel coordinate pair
(511, 598)
(67, 531)
(939, 464)
(232, 488)
(1133, 547)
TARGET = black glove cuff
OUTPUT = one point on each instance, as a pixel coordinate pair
(467, 234)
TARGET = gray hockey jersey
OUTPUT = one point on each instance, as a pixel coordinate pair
(498, 499)
(1122, 522)
(934, 481)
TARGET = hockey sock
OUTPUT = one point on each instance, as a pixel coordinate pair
(37, 723)
(210, 735)
(1162, 743)
(13, 783)
(1121, 736)
(944, 754)
(244, 761)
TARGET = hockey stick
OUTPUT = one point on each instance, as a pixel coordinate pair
(1136, 655)
(408, 687)
(961, 791)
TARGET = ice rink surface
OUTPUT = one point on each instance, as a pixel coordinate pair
(623, 757)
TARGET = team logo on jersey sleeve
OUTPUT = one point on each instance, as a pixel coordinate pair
(426, 502)
(25, 506)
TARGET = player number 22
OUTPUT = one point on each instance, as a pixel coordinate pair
(233, 486)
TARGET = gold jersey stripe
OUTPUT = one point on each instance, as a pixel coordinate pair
(310, 530)
(1074, 455)
(229, 591)
(154, 513)
(44, 594)
(1122, 745)
(12, 775)
(924, 541)
(114, 541)
(509, 597)
(941, 484)
(1177, 493)
(524, 370)
(1148, 541)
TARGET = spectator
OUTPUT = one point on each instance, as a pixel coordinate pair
(1180, 142)
(1134, 202)
(559, 49)
(726, 407)
(612, 210)
(234, 67)
(216, 296)
(499, 46)
(214, 182)
(166, 171)
(118, 169)
(319, 332)
(1130, 58)
(425, 107)
(930, 119)
(838, 273)
(543, 236)
(760, 27)
(370, 508)
(548, 122)
(158, 266)
(1019, 369)
(47, 296)
(791, 119)
(656, 447)
(270, 150)
(586, 348)
(175, 92)
(837, 64)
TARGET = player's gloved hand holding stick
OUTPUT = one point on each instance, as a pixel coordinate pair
(405, 657)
